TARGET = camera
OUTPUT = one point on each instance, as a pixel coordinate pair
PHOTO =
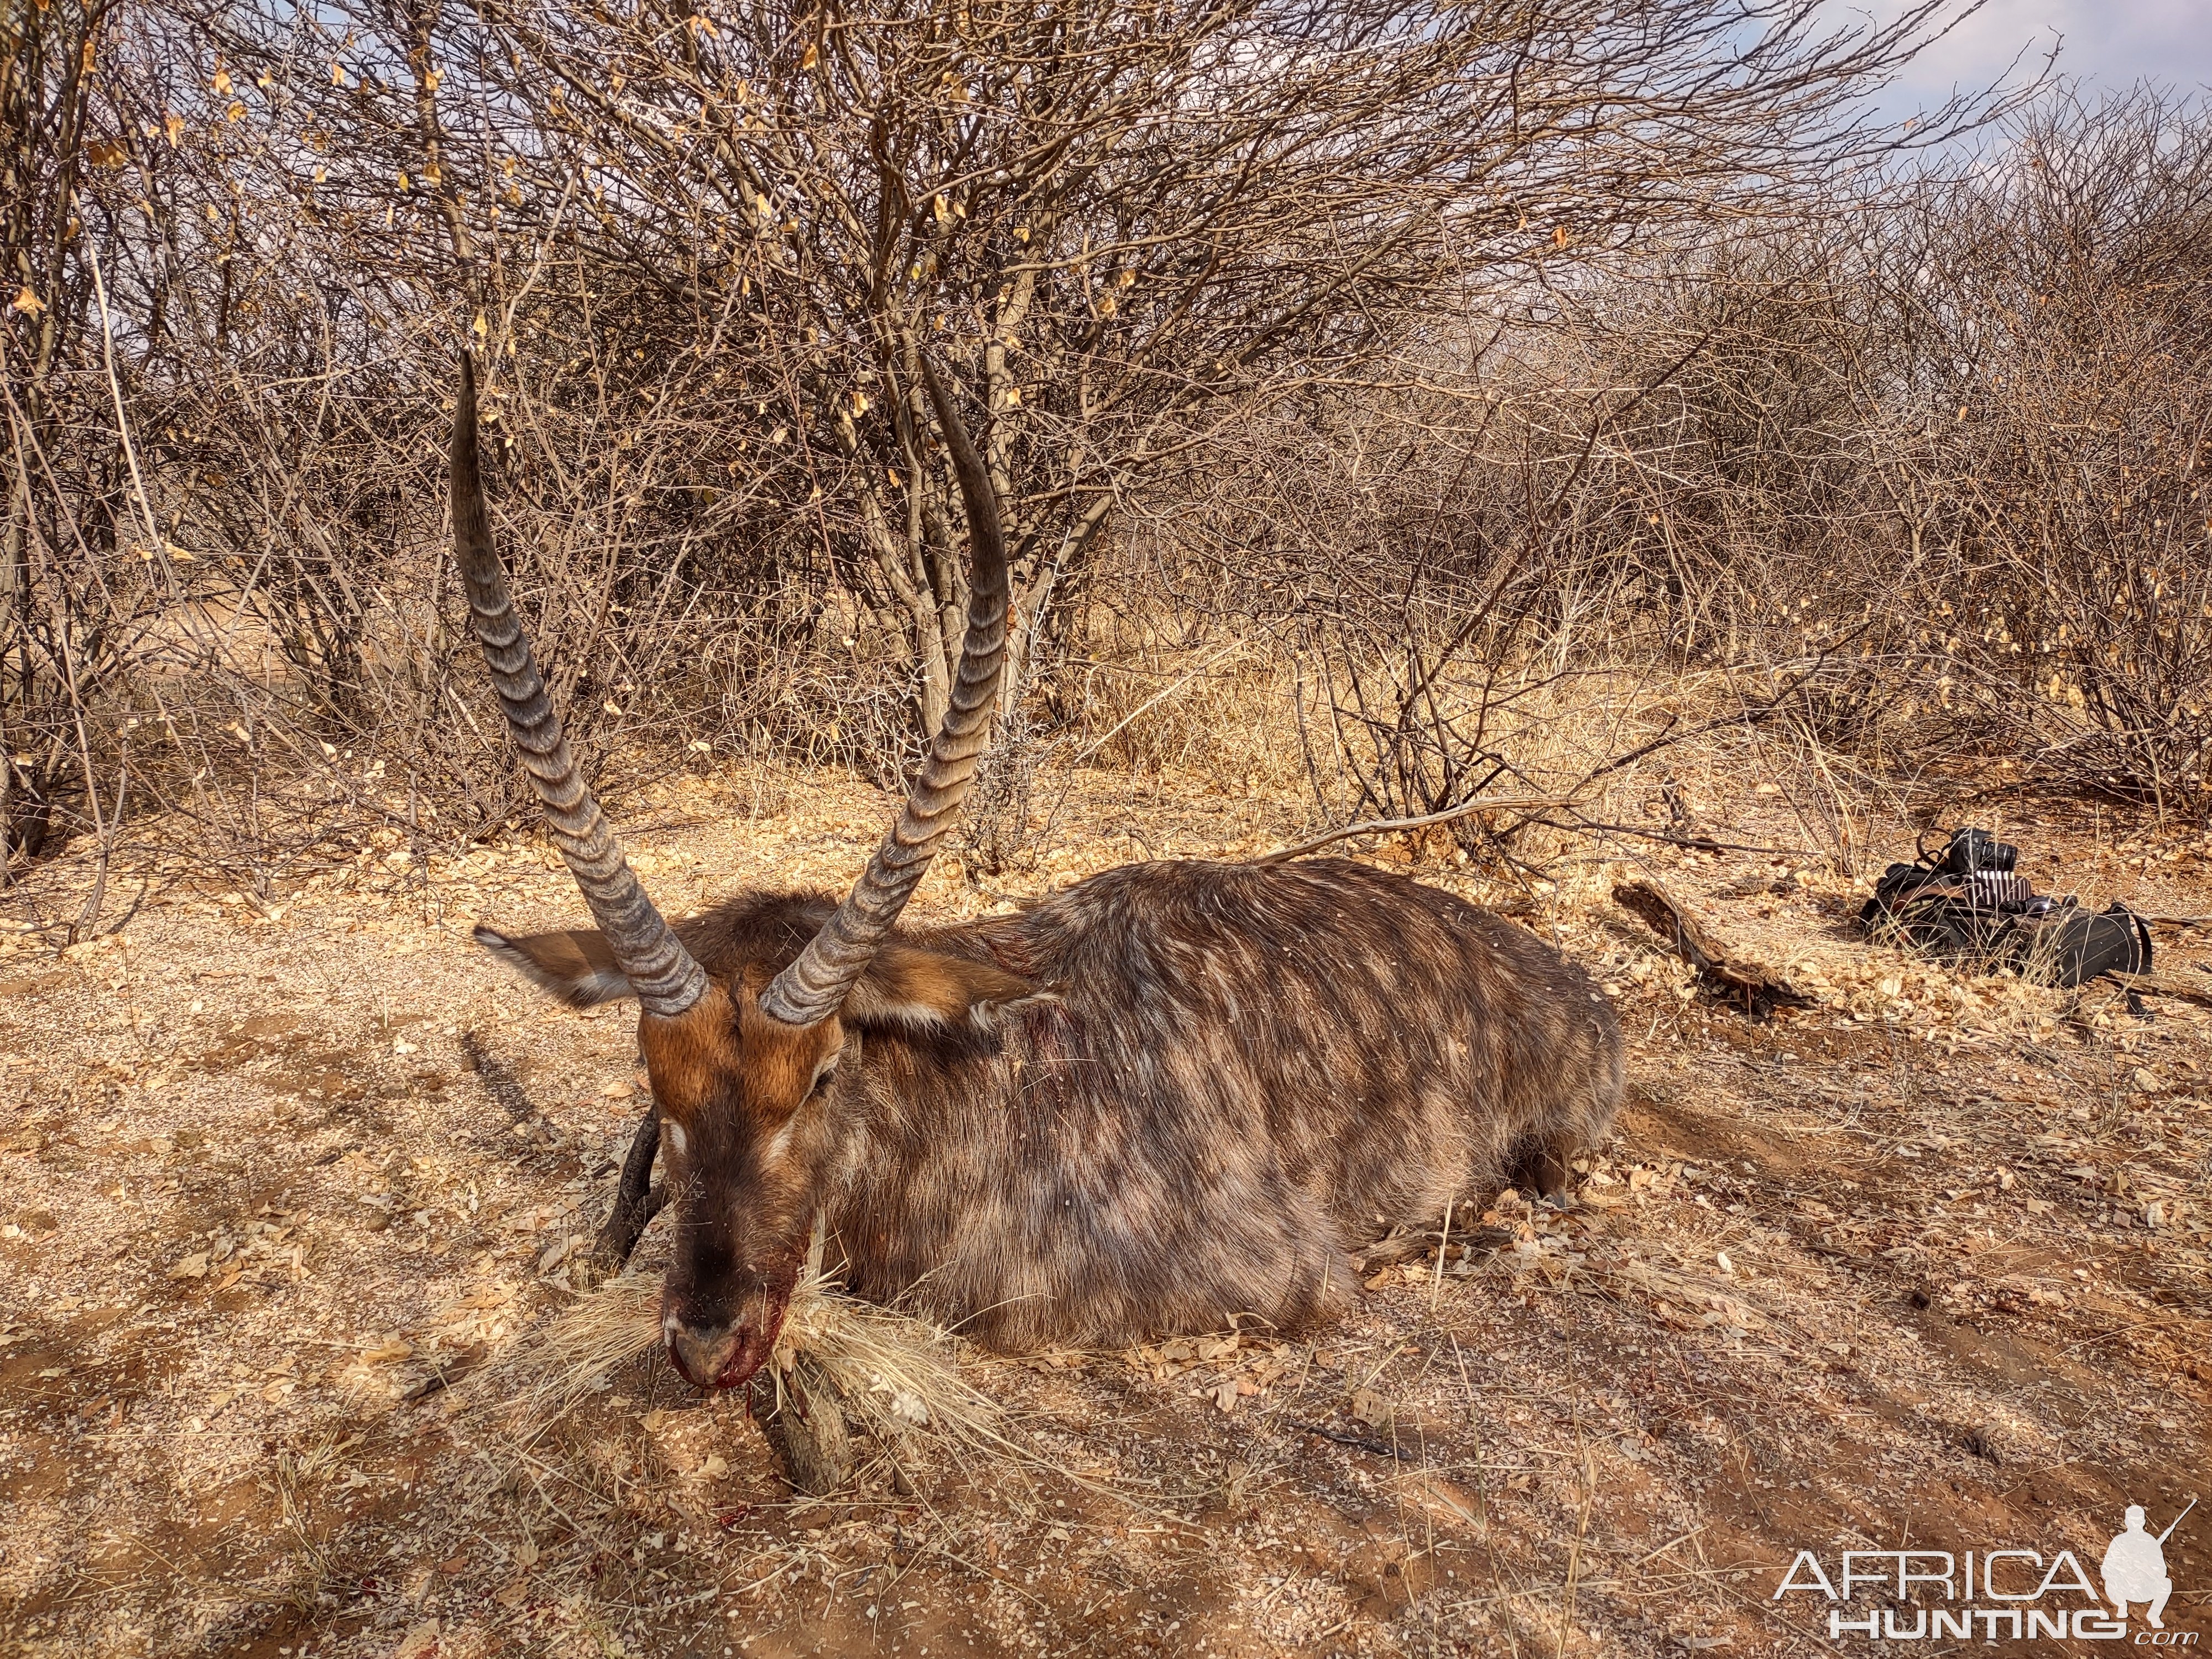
(1972, 852)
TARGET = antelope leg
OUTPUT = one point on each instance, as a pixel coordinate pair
(806, 1434)
(636, 1200)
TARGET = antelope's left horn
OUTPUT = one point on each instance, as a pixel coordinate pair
(666, 979)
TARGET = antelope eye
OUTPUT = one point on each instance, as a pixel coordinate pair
(822, 1080)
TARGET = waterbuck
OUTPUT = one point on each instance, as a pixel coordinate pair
(1169, 1097)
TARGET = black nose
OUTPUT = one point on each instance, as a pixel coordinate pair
(718, 1356)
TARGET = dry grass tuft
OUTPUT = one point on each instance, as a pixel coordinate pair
(571, 1356)
(894, 1373)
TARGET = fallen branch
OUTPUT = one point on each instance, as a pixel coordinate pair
(1407, 1246)
(1386, 826)
(1359, 1443)
(447, 1372)
(1697, 843)
(2183, 987)
(1760, 991)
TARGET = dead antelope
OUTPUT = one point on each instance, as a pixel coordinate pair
(1172, 1097)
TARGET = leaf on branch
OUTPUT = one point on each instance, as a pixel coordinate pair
(27, 302)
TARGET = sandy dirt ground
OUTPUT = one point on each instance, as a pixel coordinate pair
(1923, 1266)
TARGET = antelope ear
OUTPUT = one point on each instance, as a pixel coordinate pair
(928, 991)
(575, 965)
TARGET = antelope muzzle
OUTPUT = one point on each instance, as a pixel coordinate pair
(719, 1342)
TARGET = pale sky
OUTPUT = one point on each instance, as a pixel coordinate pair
(2106, 43)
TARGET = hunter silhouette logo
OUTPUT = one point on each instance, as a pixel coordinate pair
(2134, 1568)
(2009, 1594)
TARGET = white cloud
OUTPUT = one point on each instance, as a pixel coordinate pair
(2107, 44)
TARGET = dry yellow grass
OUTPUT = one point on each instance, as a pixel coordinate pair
(896, 1376)
(1930, 1254)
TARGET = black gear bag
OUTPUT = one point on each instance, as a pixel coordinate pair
(1968, 902)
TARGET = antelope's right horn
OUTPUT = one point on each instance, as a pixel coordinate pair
(814, 988)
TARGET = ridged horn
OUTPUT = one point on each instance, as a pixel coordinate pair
(660, 970)
(814, 986)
